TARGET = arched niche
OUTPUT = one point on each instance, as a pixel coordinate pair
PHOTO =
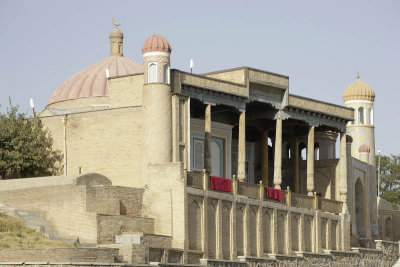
(360, 208)
(361, 119)
(194, 225)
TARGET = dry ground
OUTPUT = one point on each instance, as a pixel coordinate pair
(14, 235)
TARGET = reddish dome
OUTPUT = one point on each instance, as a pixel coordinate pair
(156, 43)
(364, 149)
(92, 81)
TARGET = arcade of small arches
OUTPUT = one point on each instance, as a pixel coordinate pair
(363, 115)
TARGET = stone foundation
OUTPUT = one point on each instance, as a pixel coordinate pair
(59, 255)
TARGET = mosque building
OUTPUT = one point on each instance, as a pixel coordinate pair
(230, 162)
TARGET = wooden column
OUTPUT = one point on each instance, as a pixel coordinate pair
(264, 163)
(278, 154)
(241, 175)
(296, 172)
(207, 139)
(310, 161)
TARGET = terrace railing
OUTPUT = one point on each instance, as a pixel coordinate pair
(248, 190)
(195, 179)
(201, 180)
(329, 205)
(301, 201)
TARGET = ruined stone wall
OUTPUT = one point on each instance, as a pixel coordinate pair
(389, 225)
(85, 206)
(63, 206)
(58, 255)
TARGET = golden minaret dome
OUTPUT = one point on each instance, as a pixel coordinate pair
(358, 90)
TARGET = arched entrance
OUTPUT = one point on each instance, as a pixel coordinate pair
(360, 209)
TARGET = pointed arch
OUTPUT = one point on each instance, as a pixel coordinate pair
(212, 230)
(371, 116)
(152, 72)
(360, 208)
(239, 231)
(194, 225)
(226, 231)
(316, 151)
(361, 119)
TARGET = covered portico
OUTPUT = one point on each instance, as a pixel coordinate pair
(243, 126)
(270, 125)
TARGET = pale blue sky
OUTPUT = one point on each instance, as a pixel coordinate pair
(319, 44)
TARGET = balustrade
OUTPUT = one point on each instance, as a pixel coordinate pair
(199, 180)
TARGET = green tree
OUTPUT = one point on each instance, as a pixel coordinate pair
(390, 178)
(25, 146)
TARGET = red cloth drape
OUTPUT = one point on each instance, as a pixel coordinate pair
(220, 184)
(273, 193)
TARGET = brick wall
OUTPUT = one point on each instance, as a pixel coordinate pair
(64, 206)
(95, 139)
(109, 226)
(115, 200)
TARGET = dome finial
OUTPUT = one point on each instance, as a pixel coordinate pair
(116, 38)
(358, 75)
(114, 23)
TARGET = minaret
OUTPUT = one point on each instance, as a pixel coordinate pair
(116, 38)
(360, 96)
(157, 117)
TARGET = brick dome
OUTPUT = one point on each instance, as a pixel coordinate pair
(92, 81)
(364, 149)
(156, 43)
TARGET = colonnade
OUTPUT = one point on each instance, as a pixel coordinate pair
(277, 179)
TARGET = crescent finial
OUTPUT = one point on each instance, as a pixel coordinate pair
(115, 24)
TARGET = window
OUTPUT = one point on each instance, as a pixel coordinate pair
(316, 151)
(217, 155)
(360, 115)
(166, 73)
(331, 151)
(371, 116)
(152, 73)
(198, 154)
